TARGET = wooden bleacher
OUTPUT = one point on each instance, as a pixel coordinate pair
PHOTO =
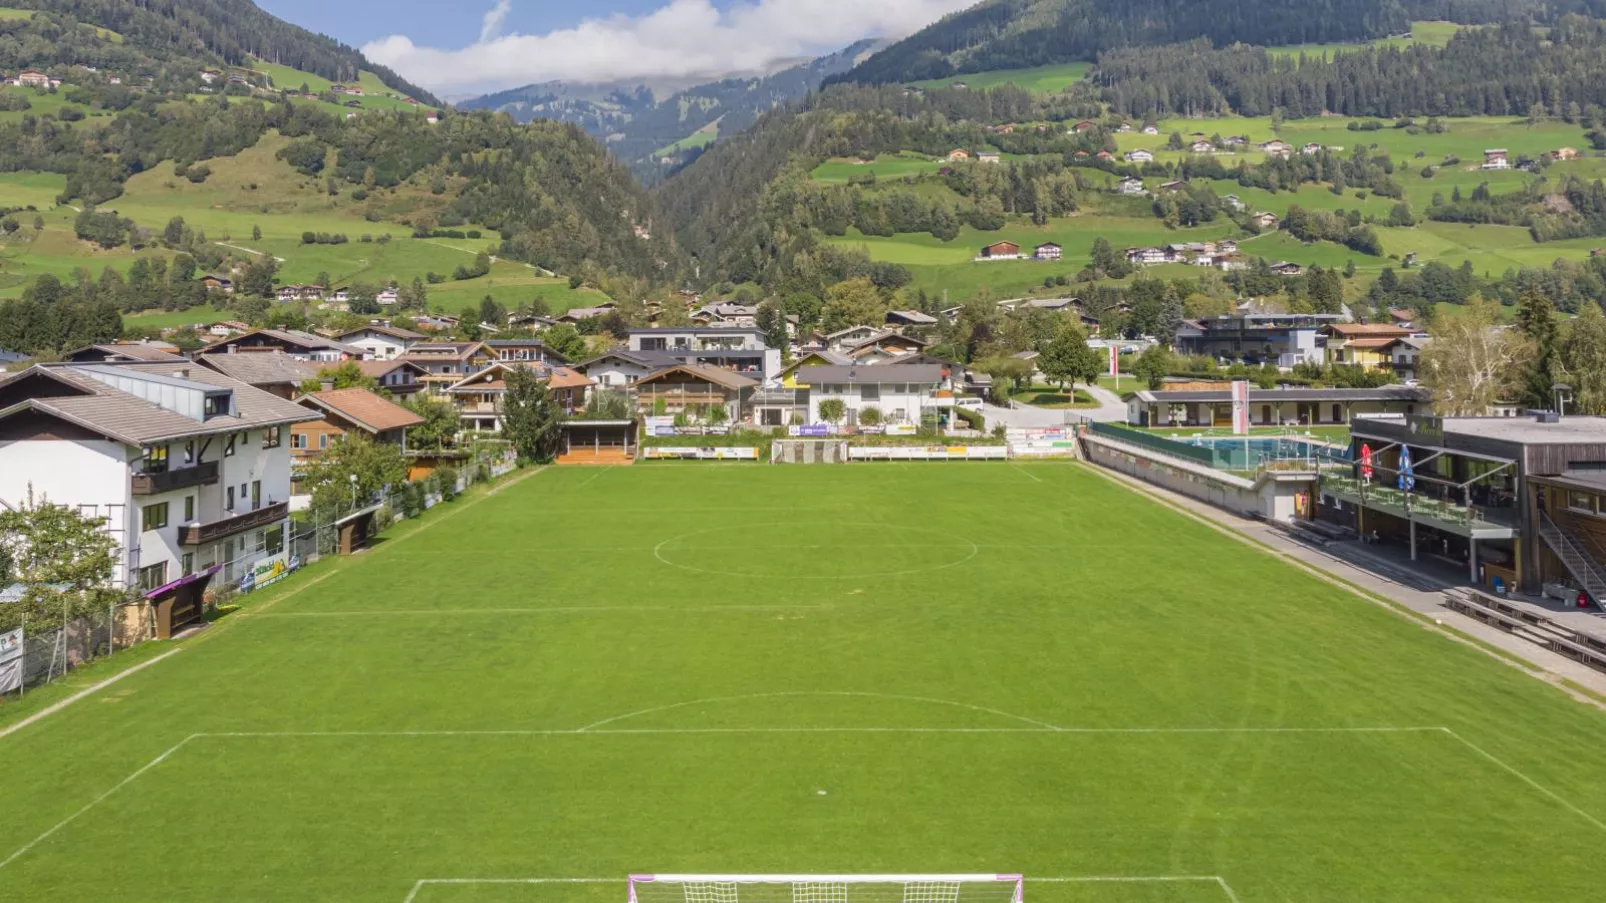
(1535, 628)
(596, 456)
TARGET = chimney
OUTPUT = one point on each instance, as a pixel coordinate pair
(328, 385)
(233, 348)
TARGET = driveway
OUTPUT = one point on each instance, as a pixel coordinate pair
(1110, 409)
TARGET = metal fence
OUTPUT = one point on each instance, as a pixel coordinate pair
(50, 654)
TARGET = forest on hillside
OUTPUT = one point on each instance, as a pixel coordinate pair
(232, 31)
(1499, 71)
(1007, 34)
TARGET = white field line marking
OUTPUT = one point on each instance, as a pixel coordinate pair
(243, 614)
(1142, 879)
(87, 691)
(590, 731)
(579, 609)
(658, 553)
(1527, 780)
(1217, 880)
(838, 694)
(589, 480)
(98, 800)
(1024, 472)
(419, 885)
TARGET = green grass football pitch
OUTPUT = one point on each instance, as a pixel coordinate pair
(873, 668)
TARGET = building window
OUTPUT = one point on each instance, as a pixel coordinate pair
(189, 563)
(153, 517)
(870, 393)
(1581, 501)
(229, 507)
(298, 440)
(152, 577)
(256, 494)
(271, 437)
(273, 539)
(155, 460)
(323, 441)
(189, 452)
(189, 508)
(228, 446)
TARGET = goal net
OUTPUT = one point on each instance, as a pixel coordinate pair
(825, 889)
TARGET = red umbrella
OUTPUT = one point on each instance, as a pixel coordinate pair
(1366, 461)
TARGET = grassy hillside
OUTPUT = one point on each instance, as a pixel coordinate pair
(703, 137)
(1049, 79)
(1431, 34)
(255, 191)
(376, 94)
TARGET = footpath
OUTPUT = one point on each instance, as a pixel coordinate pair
(1407, 589)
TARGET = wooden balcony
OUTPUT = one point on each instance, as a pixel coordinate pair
(204, 474)
(197, 534)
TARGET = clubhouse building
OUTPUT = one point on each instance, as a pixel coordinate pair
(1518, 500)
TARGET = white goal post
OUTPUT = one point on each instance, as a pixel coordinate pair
(825, 889)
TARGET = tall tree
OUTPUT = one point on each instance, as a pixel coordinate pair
(1536, 319)
(1583, 357)
(1470, 364)
(352, 471)
(440, 426)
(770, 319)
(855, 302)
(531, 418)
(1068, 360)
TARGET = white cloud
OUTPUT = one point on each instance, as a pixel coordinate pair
(491, 25)
(681, 38)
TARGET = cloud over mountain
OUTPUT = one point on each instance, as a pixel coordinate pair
(680, 38)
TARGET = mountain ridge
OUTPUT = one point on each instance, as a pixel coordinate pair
(636, 123)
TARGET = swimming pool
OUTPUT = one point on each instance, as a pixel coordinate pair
(1248, 452)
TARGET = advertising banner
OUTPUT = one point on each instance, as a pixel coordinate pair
(700, 454)
(11, 661)
(268, 571)
(811, 430)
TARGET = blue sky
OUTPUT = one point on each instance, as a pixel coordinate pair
(490, 44)
(358, 22)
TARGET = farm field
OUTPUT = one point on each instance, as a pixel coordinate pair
(374, 91)
(1050, 79)
(797, 666)
(703, 137)
(42, 104)
(1431, 34)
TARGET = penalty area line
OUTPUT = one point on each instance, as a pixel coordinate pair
(1217, 880)
(1226, 889)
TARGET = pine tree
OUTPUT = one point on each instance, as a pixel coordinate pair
(1536, 319)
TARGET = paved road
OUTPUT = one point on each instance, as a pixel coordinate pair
(1110, 408)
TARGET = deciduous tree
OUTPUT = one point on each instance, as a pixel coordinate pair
(63, 561)
(531, 418)
(1470, 364)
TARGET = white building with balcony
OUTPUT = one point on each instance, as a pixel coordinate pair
(739, 348)
(189, 469)
(901, 392)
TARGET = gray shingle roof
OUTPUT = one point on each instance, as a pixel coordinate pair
(135, 421)
(260, 368)
(874, 374)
